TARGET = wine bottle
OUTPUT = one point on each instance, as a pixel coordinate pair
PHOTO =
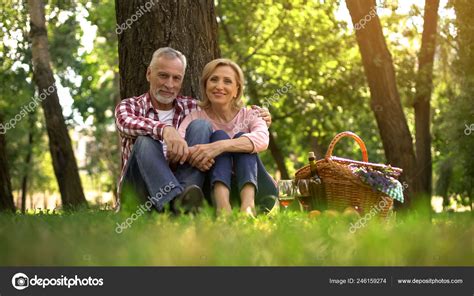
(313, 167)
(317, 187)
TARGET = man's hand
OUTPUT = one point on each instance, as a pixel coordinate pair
(264, 114)
(202, 155)
(177, 148)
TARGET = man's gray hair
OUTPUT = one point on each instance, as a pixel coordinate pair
(169, 53)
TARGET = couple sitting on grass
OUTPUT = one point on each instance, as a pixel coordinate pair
(175, 147)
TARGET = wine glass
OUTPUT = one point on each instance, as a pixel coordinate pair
(303, 193)
(286, 192)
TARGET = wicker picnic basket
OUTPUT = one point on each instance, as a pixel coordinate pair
(344, 189)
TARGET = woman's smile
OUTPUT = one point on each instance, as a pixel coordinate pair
(221, 86)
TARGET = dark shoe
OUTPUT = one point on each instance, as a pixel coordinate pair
(189, 200)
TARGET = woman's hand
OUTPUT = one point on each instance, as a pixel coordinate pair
(202, 156)
(205, 167)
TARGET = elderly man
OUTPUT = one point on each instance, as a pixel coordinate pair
(151, 143)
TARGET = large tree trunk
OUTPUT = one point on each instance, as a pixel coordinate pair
(6, 196)
(64, 161)
(116, 101)
(385, 100)
(424, 86)
(189, 26)
(29, 153)
(444, 180)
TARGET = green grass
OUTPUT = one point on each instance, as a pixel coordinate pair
(89, 238)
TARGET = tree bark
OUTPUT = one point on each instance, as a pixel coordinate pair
(6, 196)
(444, 180)
(189, 26)
(116, 101)
(424, 87)
(385, 99)
(29, 153)
(64, 161)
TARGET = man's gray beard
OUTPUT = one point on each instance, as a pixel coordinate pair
(163, 100)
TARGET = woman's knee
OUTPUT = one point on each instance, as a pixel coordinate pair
(219, 135)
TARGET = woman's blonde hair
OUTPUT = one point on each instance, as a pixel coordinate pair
(207, 72)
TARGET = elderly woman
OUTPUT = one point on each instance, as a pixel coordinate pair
(238, 135)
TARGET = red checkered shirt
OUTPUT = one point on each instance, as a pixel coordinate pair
(137, 117)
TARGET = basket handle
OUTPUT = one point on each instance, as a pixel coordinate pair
(365, 157)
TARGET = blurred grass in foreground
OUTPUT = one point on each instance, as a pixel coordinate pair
(89, 238)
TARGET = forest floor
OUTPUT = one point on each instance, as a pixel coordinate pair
(94, 238)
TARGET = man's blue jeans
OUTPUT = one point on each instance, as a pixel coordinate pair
(148, 172)
(247, 168)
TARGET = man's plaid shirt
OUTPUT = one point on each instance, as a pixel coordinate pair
(136, 116)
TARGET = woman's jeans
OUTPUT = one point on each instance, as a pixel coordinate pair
(246, 168)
